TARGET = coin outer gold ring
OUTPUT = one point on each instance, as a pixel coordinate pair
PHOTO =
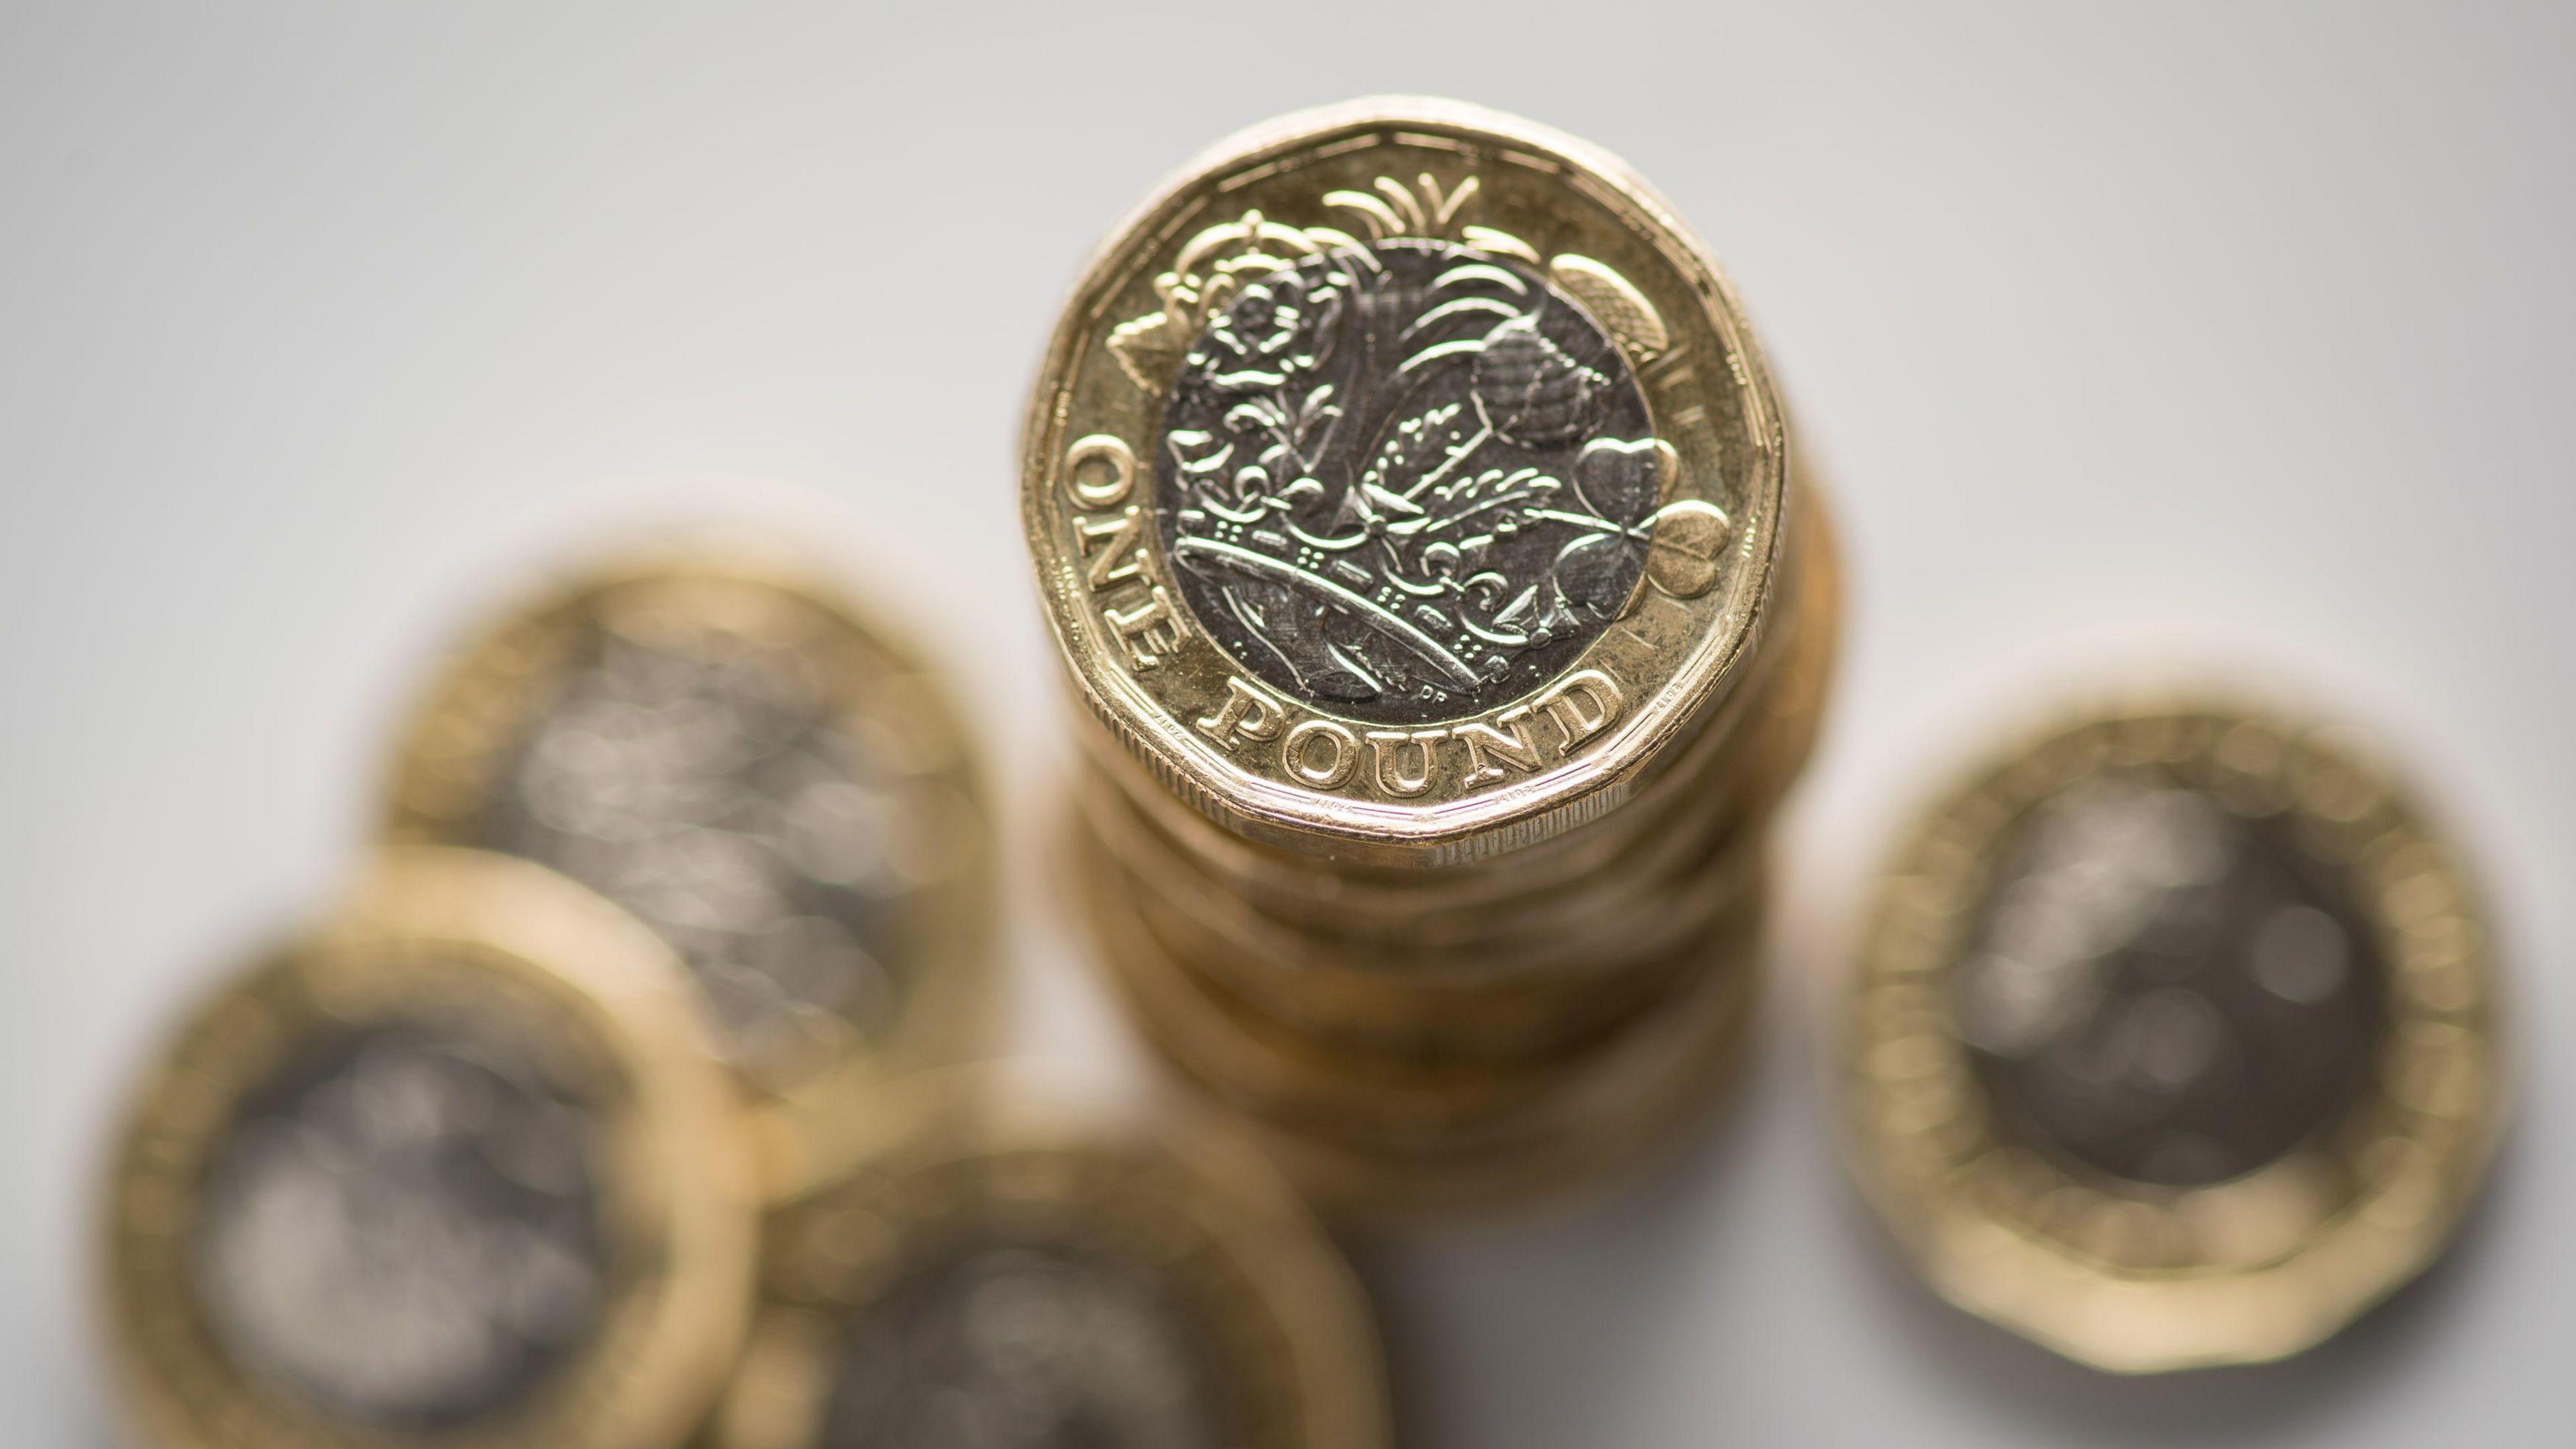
(2139, 1280)
(450, 751)
(948, 1152)
(1709, 397)
(448, 935)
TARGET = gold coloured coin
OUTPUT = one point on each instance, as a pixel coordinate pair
(707, 733)
(2173, 1039)
(456, 1165)
(987, 1263)
(1403, 482)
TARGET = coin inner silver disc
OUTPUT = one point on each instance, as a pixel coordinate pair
(2165, 990)
(1406, 481)
(1020, 1345)
(401, 1228)
(708, 785)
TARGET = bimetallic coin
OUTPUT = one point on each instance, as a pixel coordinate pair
(990, 1267)
(456, 1165)
(714, 742)
(2173, 1040)
(1403, 481)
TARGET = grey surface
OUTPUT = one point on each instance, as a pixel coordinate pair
(2168, 989)
(402, 1229)
(2209, 332)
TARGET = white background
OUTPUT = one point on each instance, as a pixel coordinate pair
(2238, 333)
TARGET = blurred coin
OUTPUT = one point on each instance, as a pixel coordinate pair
(1403, 482)
(710, 737)
(455, 1165)
(2173, 1042)
(990, 1265)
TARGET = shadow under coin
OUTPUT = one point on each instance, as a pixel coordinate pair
(1525, 1332)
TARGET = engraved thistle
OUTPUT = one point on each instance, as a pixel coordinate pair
(1411, 475)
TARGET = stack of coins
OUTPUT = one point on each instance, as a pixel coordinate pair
(614, 1145)
(1413, 510)
(2173, 1041)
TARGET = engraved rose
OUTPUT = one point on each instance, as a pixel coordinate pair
(1202, 283)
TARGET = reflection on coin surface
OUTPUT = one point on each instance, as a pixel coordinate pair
(716, 746)
(1401, 480)
(2166, 989)
(989, 1265)
(1025, 1345)
(401, 1224)
(2173, 1040)
(456, 1163)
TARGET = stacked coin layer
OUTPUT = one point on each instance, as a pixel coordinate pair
(1413, 510)
(461, 1163)
(2173, 1041)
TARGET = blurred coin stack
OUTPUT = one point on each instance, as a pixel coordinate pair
(586, 1120)
(1413, 510)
